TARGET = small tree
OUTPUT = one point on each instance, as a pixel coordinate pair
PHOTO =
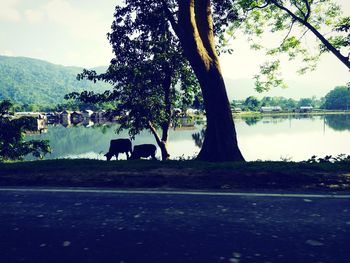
(12, 137)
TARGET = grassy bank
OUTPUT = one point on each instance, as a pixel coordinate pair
(177, 174)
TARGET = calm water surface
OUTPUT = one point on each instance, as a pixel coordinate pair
(266, 138)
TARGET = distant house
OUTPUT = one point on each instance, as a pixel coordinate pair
(87, 114)
(271, 109)
(37, 122)
(65, 114)
(53, 117)
(191, 111)
(306, 108)
(98, 116)
(65, 118)
(187, 122)
(36, 115)
(236, 109)
(76, 117)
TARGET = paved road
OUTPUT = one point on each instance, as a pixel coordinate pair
(69, 226)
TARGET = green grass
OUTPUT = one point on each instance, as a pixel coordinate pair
(177, 174)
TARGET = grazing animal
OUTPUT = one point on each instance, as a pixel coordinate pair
(119, 146)
(144, 150)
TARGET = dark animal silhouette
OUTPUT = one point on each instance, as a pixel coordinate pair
(144, 150)
(119, 146)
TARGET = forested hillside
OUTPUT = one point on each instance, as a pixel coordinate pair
(32, 81)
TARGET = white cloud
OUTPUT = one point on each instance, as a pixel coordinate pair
(34, 16)
(9, 11)
(84, 28)
(79, 22)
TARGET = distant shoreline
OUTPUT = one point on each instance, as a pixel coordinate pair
(312, 113)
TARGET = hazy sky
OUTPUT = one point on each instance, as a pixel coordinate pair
(73, 32)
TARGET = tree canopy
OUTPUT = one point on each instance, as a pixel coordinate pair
(298, 19)
(338, 99)
(149, 73)
(150, 58)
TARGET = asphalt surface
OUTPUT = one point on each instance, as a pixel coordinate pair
(68, 226)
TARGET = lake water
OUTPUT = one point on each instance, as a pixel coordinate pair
(261, 138)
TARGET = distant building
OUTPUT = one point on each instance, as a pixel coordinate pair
(191, 111)
(98, 116)
(271, 109)
(306, 108)
(53, 117)
(87, 114)
(187, 122)
(36, 115)
(65, 118)
(65, 114)
(76, 117)
(236, 109)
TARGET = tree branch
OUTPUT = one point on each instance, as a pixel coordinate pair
(289, 31)
(171, 18)
(308, 13)
(154, 132)
(303, 34)
(276, 3)
(259, 7)
(324, 41)
(300, 9)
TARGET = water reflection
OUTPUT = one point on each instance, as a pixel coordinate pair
(198, 138)
(338, 122)
(267, 138)
(252, 120)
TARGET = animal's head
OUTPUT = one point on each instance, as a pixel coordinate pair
(108, 156)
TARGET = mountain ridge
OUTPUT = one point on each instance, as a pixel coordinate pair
(35, 81)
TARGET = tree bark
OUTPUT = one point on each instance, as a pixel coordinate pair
(167, 122)
(195, 31)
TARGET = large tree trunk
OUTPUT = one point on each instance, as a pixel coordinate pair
(195, 31)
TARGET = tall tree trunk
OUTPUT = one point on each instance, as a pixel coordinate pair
(167, 102)
(195, 31)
